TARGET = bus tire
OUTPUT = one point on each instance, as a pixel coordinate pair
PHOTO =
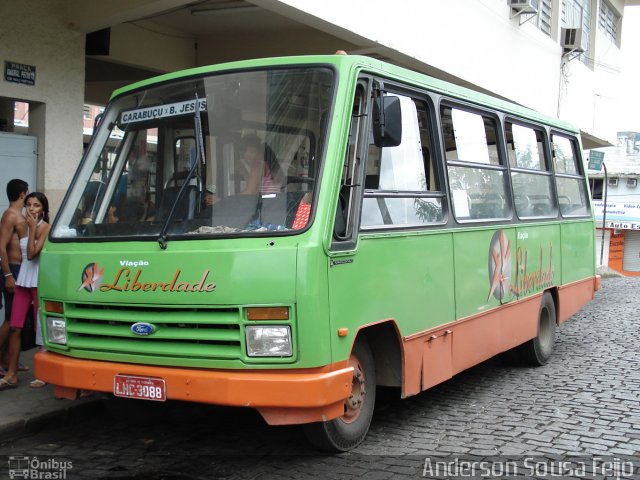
(537, 351)
(347, 432)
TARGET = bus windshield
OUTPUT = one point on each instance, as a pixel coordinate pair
(229, 154)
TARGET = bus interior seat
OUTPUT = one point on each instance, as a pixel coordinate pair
(565, 203)
(487, 206)
(235, 211)
(293, 201)
(187, 206)
(524, 207)
(542, 206)
(299, 184)
(239, 211)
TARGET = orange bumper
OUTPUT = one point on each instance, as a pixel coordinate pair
(282, 397)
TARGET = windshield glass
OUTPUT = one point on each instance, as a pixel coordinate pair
(231, 154)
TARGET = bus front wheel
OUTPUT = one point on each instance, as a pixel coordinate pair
(538, 350)
(348, 431)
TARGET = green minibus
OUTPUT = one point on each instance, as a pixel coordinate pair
(287, 234)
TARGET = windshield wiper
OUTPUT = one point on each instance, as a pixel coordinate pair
(162, 237)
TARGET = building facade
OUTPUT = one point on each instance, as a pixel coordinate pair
(560, 57)
(618, 225)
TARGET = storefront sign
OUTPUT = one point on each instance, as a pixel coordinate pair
(19, 73)
(624, 225)
(616, 249)
(620, 215)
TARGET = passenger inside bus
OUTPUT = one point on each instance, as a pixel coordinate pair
(264, 174)
(209, 199)
(210, 196)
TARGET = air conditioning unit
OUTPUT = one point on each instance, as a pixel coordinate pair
(632, 182)
(571, 40)
(524, 6)
(612, 182)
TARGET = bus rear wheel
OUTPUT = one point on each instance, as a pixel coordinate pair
(538, 350)
(348, 431)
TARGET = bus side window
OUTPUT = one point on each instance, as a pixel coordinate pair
(530, 174)
(400, 180)
(476, 173)
(570, 183)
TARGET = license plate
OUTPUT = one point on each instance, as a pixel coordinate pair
(143, 388)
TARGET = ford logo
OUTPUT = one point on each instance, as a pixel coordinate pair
(143, 328)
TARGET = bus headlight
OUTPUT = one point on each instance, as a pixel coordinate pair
(268, 341)
(56, 330)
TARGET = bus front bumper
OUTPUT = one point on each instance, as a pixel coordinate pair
(281, 396)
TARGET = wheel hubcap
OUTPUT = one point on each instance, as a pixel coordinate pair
(353, 404)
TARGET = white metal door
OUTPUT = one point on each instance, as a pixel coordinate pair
(631, 259)
(18, 159)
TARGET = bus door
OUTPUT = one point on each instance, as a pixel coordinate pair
(398, 264)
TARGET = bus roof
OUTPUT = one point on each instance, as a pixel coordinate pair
(366, 63)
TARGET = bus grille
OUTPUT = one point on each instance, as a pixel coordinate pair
(203, 332)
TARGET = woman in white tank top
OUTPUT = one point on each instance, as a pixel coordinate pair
(32, 232)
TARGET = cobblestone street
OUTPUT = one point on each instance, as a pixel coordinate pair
(584, 404)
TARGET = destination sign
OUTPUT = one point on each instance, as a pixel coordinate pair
(162, 111)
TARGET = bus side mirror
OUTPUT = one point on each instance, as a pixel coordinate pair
(387, 121)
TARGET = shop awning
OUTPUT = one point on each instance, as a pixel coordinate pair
(590, 141)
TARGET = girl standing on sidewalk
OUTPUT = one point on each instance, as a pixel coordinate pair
(32, 232)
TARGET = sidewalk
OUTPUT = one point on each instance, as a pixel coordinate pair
(26, 408)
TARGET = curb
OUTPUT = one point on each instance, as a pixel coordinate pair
(77, 410)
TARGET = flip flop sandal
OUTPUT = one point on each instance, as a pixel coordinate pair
(37, 383)
(6, 384)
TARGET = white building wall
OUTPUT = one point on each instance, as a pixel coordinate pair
(478, 42)
(590, 93)
(622, 192)
(474, 41)
(34, 33)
